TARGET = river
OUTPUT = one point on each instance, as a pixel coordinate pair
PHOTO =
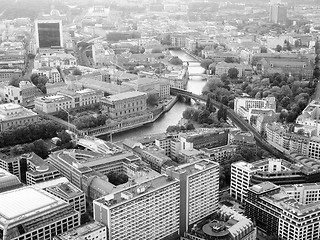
(172, 117)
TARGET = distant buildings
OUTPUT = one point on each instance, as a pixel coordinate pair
(7, 74)
(278, 13)
(24, 94)
(29, 213)
(223, 68)
(13, 115)
(125, 104)
(246, 107)
(52, 74)
(48, 33)
(67, 99)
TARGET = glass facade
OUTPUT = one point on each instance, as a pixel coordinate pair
(49, 35)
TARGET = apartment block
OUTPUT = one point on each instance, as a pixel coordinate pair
(23, 218)
(150, 210)
(199, 188)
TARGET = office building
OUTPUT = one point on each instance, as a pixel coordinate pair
(28, 213)
(243, 173)
(278, 14)
(219, 153)
(146, 211)
(90, 231)
(125, 104)
(39, 170)
(48, 33)
(71, 194)
(199, 190)
(13, 115)
(15, 165)
(290, 211)
(242, 106)
(8, 181)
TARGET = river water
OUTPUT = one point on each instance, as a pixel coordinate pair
(172, 117)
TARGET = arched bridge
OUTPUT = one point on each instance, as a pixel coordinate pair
(239, 122)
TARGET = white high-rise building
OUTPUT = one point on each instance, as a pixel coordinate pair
(148, 211)
(163, 206)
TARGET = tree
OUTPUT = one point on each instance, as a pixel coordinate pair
(41, 148)
(278, 48)
(176, 61)
(203, 116)
(300, 131)
(188, 113)
(117, 178)
(222, 113)
(205, 63)
(152, 99)
(233, 73)
(76, 72)
(229, 60)
(263, 50)
(14, 81)
(40, 82)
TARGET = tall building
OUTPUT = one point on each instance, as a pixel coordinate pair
(48, 33)
(161, 207)
(28, 213)
(199, 190)
(148, 211)
(278, 14)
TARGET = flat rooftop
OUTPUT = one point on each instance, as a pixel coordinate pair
(125, 95)
(25, 201)
(192, 168)
(82, 231)
(264, 187)
(134, 191)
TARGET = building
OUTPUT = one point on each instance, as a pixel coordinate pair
(8, 181)
(245, 104)
(48, 33)
(186, 195)
(71, 194)
(278, 14)
(204, 139)
(87, 170)
(150, 210)
(242, 174)
(15, 165)
(13, 115)
(226, 223)
(290, 212)
(52, 74)
(237, 137)
(90, 231)
(199, 190)
(23, 95)
(219, 153)
(223, 68)
(39, 170)
(66, 99)
(54, 59)
(124, 104)
(24, 218)
(7, 74)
